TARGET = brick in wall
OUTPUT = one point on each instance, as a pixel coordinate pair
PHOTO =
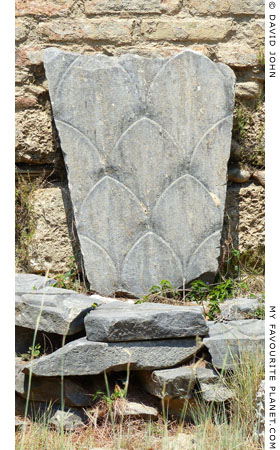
(186, 29)
(219, 7)
(117, 31)
(42, 7)
(132, 6)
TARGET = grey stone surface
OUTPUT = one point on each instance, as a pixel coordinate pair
(83, 357)
(47, 411)
(28, 282)
(146, 143)
(227, 341)
(62, 311)
(178, 382)
(239, 308)
(125, 322)
(68, 420)
(215, 392)
(49, 388)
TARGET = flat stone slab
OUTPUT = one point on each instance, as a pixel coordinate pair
(28, 282)
(62, 311)
(125, 322)
(49, 388)
(146, 143)
(83, 357)
(227, 341)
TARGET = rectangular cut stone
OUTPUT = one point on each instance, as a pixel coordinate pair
(83, 357)
(121, 322)
(42, 8)
(132, 6)
(146, 143)
(238, 7)
(186, 29)
(93, 30)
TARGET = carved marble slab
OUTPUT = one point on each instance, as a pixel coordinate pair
(146, 143)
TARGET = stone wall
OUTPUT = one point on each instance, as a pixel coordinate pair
(230, 31)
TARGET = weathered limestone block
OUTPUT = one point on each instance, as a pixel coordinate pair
(238, 7)
(146, 144)
(83, 357)
(53, 242)
(186, 29)
(226, 342)
(61, 311)
(133, 6)
(119, 322)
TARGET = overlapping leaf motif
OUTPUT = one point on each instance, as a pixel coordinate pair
(149, 193)
(103, 114)
(146, 149)
(113, 218)
(180, 95)
(81, 177)
(101, 270)
(143, 269)
(185, 215)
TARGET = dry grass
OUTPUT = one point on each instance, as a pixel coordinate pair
(229, 426)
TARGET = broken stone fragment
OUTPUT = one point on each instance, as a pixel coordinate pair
(125, 322)
(60, 311)
(227, 341)
(29, 283)
(121, 119)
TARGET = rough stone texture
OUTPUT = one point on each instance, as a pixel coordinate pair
(186, 30)
(134, 229)
(239, 308)
(97, 30)
(53, 242)
(49, 389)
(226, 342)
(259, 176)
(28, 282)
(83, 357)
(249, 89)
(121, 322)
(38, 8)
(93, 7)
(246, 205)
(32, 146)
(239, 7)
(215, 391)
(180, 383)
(68, 420)
(127, 408)
(237, 54)
(61, 311)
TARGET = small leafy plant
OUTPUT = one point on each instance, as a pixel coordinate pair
(33, 352)
(201, 293)
(70, 279)
(164, 290)
(109, 399)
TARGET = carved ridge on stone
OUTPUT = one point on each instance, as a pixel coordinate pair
(206, 133)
